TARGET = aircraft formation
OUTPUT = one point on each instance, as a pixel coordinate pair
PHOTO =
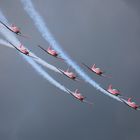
(71, 75)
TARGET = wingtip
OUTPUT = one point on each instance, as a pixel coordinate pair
(38, 46)
(88, 102)
(83, 63)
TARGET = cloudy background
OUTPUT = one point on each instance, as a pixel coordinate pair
(93, 31)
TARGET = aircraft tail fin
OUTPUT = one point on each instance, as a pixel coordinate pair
(129, 99)
(76, 91)
(68, 69)
(110, 86)
(12, 25)
(94, 66)
(20, 46)
(49, 48)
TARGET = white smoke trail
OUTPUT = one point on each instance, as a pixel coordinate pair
(11, 38)
(41, 26)
(47, 65)
(3, 42)
(38, 60)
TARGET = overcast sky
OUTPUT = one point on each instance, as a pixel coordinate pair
(92, 31)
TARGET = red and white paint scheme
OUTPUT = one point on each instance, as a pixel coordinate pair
(113, 91)
(131, 104)
(51, 52)
(69, 74)
(76, 94)
(96, 70)
(23, 50)
(15, 29)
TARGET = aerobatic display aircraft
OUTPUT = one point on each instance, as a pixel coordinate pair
(130, 103)
(14, 29)
(96, 70)
(69, 74)
(51, 52)
(22, 49)
(54, 50)
(76, 94)
(115, 92)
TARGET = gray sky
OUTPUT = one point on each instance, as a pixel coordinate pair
(93, 31)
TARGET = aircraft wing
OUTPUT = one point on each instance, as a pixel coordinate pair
(5, 26)
(32, 56)
(105, 76)
(125, 102)
(25, 36)
(61, 71)
(70, 92)
(78, 80)
(15, 47)
(87, 67)
(43, 49)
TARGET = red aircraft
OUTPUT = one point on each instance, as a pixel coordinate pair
(51, 52)
(22, 49)
(14, 29)
(130, 103)
(98, 71)
(70, 75)
(113, 91)
(76, 94)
